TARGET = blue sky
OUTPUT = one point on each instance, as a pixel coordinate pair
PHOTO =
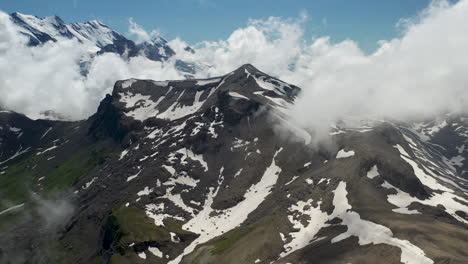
(365, 21)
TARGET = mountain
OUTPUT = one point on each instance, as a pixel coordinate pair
(215, 171)
(101, 38)
(156, 50)
(41, 30)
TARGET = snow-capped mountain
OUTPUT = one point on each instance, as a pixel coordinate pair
(214, 171)
(156, 49)
(41, 30)
(101, 39)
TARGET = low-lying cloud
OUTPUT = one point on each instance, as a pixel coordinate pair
(420, 74)
(54, 213)
(48, 77)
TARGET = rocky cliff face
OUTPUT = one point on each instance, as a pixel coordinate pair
(213, 171)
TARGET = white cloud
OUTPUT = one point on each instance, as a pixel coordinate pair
(48, 77)
(418, 75)
(271, 45)
(141, 34)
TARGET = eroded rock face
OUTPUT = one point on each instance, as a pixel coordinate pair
(196, 171)
(18, 133)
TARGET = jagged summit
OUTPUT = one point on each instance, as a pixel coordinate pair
(248, 67)
(41, 30)
(98, 37)
(143, 99)
(238, 94)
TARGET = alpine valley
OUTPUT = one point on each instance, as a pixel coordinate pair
(215, 171)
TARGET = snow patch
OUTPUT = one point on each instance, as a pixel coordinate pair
(19, 152)
(88, 184)
(127, 83)
(323, 180)
(187, 153)
(369, 232)
(45, 133)
(302, 237)
(142, 255)
(12, 208)
(174, 112)
(170, 169)
(155, 251)
(344, 154)
(49, 149)
(122, 155)
(373, 172)
(238, 95)
(145, 191)
(133, 176)
(208, 81)
(448, 200)
(420, 173)
(293, 179)
(183, 180)
(238, 173)
(209, 226)
(174, 237)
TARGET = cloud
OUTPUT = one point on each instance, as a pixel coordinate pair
(48, 77)
(420, 74)
(54, 212)
(417, 76)
(271, 45)
(141, 34)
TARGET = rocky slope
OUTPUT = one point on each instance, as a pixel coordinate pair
(214, 171)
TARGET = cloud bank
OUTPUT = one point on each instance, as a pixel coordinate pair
(420, 74)
(48, 77)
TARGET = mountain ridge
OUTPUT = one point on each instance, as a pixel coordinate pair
(197, 171)
(99, 37)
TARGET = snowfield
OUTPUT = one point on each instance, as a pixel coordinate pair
(209, 226)
(344, 154)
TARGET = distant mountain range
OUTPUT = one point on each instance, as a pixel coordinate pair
(99, 37)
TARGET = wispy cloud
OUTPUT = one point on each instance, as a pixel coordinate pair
(141, 34)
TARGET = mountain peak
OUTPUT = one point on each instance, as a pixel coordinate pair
(96, 23)
(36, 19)
(95, 32)
(159, 40)
(237, 95)
(19, 14)
(248, 67)
(41, 30)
